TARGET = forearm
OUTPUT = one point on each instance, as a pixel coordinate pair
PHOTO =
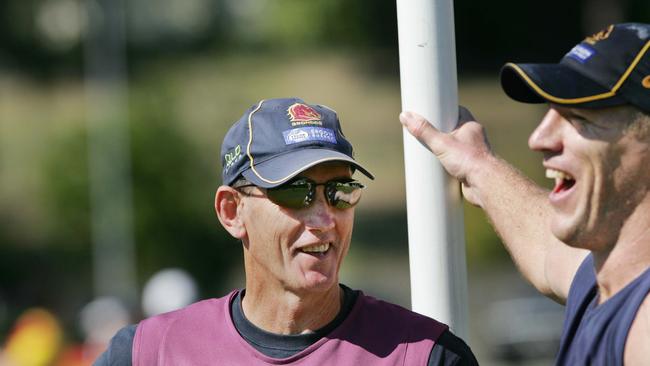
(520, 214)
(518, 208)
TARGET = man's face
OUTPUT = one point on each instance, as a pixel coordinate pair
(601, 172)
(297, 249)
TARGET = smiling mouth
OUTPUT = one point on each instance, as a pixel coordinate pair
(316, 249)
(563, 181)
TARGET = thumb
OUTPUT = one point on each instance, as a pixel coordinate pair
(464, 115)
(422, 130)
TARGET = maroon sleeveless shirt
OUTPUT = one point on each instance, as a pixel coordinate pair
(374, 333)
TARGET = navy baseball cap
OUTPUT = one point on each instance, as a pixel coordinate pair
(609, 68)
(276, 139)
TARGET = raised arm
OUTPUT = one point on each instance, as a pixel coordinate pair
(517, 208)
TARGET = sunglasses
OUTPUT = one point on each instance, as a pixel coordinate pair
(301, 193)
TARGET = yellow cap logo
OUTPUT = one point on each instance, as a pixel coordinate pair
(603, 34)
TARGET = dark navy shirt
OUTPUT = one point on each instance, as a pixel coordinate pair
(595, 334)
(448, 350)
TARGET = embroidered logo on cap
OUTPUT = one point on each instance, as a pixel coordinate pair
(232, 157)
(302, 114)
(603, 34)
(302, 134)
(581, 53)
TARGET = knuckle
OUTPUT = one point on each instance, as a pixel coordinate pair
(420, 127)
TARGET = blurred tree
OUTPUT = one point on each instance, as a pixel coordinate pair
(42, 36)
(174, 225)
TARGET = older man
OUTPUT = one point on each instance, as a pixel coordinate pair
(288, 195)
(587, 242)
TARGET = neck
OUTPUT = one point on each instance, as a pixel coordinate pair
(289, 312)
(628, 258)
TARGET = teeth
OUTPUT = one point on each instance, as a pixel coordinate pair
(556, 174)
(320, 248)
(559, 176)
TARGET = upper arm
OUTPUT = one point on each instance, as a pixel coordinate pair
(521, 214)
(560, 266)
(119, 349)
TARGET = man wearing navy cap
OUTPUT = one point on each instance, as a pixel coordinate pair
(288, 195)
(595, 140)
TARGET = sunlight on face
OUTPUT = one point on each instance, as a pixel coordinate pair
(603, 156)
(297, 249)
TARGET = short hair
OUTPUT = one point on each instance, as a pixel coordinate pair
(638, 123)
(240, 181)
(242, 184)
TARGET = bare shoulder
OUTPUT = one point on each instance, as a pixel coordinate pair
(638, 340)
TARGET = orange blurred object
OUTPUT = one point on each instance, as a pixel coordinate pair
(76, 355)
(35, 339)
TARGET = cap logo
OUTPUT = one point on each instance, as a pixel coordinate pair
(302, 114)
(232, 156)
(302, 134)
(581, 53)
(603, 34)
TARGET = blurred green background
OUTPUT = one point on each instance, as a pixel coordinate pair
(191, 68)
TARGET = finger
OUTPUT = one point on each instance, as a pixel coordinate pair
(421, 129)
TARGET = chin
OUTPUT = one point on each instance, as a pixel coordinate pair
(565, 232)
(571, 226)
(319, 282)
(578, 236)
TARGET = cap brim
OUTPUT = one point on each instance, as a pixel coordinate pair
(276, 171)
(555, 83)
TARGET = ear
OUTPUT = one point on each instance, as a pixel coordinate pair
(226, 205)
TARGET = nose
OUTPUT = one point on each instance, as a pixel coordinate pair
(320, 215)
(547, 135)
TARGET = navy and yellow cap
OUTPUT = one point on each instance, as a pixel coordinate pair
(276, 139)
(609, 68)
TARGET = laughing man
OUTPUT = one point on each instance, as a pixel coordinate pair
(586, 243)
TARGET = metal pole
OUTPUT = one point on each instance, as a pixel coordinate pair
(109, 159)
(434, 206)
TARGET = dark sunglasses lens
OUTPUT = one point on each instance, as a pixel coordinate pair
(343, 194)
(291, 195)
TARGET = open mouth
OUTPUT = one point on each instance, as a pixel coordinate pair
(317, 249)
(563, 181)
